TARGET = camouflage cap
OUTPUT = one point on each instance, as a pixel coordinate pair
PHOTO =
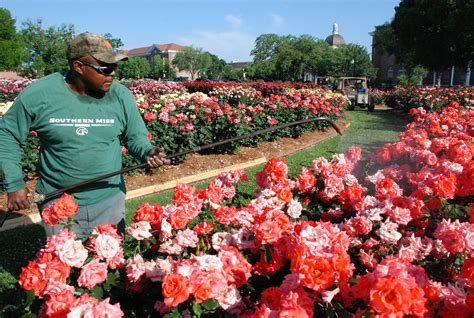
(95, 45)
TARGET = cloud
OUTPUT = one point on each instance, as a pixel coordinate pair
(277, 20)
(229, 46)
(234, 21)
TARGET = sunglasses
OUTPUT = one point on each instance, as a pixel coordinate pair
(104, 70)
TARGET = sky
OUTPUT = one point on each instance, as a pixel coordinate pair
(226, 28)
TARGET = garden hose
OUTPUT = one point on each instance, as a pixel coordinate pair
(38, 198)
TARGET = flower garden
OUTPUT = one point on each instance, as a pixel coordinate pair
(430, 98)
(180, 117)
(389, 237)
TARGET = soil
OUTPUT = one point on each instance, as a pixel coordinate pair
(198, 163)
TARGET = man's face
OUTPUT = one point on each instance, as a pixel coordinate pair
(97, 75)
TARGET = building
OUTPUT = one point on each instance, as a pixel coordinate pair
(165, 51)
(388, 69)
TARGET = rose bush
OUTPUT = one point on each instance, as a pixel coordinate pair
(398, 242)
(430, 98)
(178, 118)
(179, 121)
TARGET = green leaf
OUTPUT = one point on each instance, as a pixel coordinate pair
(30, 297)
(174, 314)
(111, 281)
(197, 309)
(210, 304)
(97, 292)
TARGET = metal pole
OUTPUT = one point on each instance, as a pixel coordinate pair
(451, 80)
(468, 74)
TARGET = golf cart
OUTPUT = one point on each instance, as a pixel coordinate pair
(356, 90)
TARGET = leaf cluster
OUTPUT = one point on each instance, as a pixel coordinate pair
(290, 58)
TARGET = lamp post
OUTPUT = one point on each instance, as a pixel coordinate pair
(353, 67)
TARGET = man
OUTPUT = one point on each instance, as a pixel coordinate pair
(80, 117)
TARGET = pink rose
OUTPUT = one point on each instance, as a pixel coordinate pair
(135, 268)
(149, 116)
(80, 311)
(294, 209)
(268, 232)
(72, 253)
(92, 273)
(105, 309)
(187, 238)
(140, 230)
(171, 247)
(333, 186)
(106, 246)
(230, 300)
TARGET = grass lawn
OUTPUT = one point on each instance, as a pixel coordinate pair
(368, 131)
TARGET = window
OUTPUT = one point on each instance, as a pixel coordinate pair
(390, 72)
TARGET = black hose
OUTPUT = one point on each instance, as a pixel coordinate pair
(37, 198)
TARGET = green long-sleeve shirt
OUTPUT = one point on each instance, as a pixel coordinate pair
(80, 137)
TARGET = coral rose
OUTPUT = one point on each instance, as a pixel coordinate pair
(175, 289)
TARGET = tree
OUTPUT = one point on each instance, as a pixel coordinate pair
(157, 67)
(169, 70)
(115, 42)
(353, 60)
(11, 46)
(413, 78)
(46, 47)
(134, 67)
(385, 42)
(290, 58)
(265, 48)
(192, 60)
(218, 69)
(384, 38)
(437, 33)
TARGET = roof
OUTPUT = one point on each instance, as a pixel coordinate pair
(140, 50)
(239, 65)
(145, 50)
(335, 40)
(170, 47)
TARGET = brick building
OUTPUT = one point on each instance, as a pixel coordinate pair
(388, 69)
(165, 51)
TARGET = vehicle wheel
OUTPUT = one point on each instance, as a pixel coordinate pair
(371, 107)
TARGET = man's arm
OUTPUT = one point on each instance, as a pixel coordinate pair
(14, 128)
(136, 137)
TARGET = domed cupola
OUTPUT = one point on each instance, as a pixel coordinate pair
(335, 39)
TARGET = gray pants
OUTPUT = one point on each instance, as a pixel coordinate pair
(111, 210)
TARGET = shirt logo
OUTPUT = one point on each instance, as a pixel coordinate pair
(81, 131)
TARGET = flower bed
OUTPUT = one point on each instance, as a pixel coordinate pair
(396, 243)
(179, 118)
(430, 98)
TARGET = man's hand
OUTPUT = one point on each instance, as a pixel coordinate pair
(18, 200)
(156, 158)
